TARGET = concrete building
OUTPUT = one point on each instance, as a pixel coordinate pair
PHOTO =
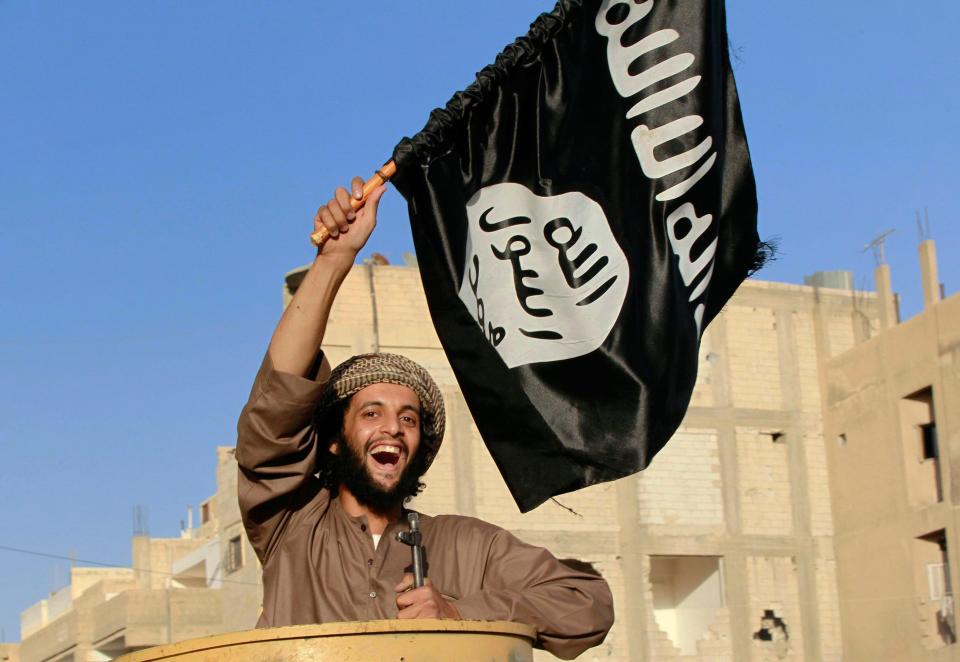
(891, 418)
(724, 549)
(9, 652)
(205, 582)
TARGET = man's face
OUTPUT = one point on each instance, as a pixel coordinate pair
(381, 436)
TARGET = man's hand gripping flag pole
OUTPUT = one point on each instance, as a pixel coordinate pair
(380, 177)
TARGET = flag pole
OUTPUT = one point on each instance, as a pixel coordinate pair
(380, 177)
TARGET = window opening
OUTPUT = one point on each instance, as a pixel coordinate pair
(928, 433)
(921, 449)
(687, 594)
(234, 560)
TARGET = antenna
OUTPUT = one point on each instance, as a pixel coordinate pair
(923, 226)
(877, 245)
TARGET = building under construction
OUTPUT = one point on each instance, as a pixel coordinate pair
(805, 510)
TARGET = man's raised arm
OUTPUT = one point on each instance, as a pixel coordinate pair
(276, 450)
(296, 341)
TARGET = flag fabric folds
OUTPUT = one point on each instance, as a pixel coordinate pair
(580, 213)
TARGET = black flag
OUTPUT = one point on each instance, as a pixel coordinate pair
(580, 213)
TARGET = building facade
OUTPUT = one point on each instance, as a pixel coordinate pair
(723, 549)
(204, 582)
(891, 420)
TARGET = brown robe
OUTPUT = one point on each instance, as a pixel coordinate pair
(320, 564)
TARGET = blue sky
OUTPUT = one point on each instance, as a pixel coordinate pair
(160, 163)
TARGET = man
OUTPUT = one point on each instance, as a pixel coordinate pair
(327, 460)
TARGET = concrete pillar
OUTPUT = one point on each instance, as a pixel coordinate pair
(140, 556)
(460, 430)
(928, 273)
(734, 561)
(805, 558)
(633, 615)
(888, 306)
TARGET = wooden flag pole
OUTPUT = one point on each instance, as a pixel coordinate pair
(380, 177)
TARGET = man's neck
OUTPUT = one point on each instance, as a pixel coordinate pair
(377, 520)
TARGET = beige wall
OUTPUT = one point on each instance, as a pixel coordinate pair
(884, 493)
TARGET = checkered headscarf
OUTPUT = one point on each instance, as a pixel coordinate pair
(360, 371)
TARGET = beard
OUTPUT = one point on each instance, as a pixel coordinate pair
(351, 472)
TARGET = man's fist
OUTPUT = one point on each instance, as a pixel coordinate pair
(423, 602)
(348, 229)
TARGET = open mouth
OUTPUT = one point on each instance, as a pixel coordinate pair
(386, 455)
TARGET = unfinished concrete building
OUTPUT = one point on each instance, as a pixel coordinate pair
(724, 549)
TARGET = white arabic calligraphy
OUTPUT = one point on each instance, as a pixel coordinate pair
(614, 19)
(535, 266)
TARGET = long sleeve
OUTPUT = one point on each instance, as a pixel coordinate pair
(276, 451)
(571, 610)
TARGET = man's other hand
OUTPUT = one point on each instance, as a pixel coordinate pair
(423, 602)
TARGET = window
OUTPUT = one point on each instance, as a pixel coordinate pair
(928, 433)
(921, 450)
(934, 590)
(938, 580)
(234, 556)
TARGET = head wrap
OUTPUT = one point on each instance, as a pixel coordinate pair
(358, 372)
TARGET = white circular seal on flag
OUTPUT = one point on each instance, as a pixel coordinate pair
(543, 276)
